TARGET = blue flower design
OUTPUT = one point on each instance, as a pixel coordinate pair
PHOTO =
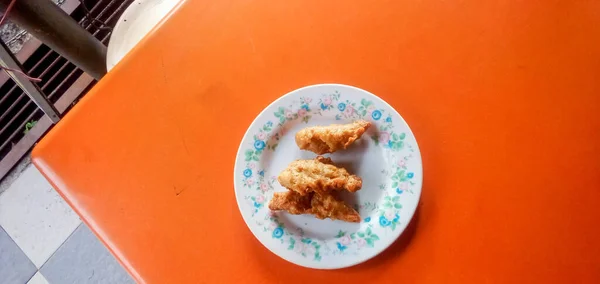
(376, 114)
(323, 106)
(368, 219)
(257, 205)
(390, 144)
(247, 172)
(384, 222)
(399, 191)
(259, 144)
(278, 233)
(305, 106)
(270, 123)
(388, 119)
(396, 218)
(340, 246)
(261, 173)
(342, 106)
(410, 175)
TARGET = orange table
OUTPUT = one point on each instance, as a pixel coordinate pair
(504, 99)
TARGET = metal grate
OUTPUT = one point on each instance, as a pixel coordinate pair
(17, 112)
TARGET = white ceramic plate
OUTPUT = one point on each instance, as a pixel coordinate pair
(386, 157)
(137, 20)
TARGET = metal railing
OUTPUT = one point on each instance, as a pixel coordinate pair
(22, 104)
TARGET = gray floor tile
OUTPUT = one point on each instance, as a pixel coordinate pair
(15, 267)
(84, 259)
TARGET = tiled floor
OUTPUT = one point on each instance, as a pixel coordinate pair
(43, 241)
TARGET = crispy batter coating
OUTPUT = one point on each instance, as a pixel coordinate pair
(327, 206)
(318, 175)
(291, 201)
(328, 139)
(322, 206)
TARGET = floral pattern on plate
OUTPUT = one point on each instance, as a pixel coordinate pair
(383, 217)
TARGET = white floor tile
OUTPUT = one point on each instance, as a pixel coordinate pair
(35, 216)
(38, 278)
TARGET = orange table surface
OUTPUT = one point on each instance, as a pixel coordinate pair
(504, 99)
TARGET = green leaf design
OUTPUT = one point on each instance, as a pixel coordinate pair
(387, 205)
(375, 138)
(353, 235)
(374, 237)
(397, 206)
(369, 242)
(340, 234)
(393, 226)
(395, 136)
(255, 158)
(361, 234)
(369, 231)
(317, 256)
(397, 145)
(363, 102)
(292, 243)
(387, 198)
(395, 184)
(402, 136)
(306, 240)
(396, 198)
(364, 112)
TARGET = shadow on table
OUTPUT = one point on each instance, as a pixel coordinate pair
(397, 248)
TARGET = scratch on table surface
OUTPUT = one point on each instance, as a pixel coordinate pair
(254, 50)
(178, 191)
(183, 141)
(252, 43)
(162, 63)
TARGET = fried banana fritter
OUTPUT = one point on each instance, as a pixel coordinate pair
(321, 206)
(327, 206)
(328, 139)
(318, 175)
(292, 202)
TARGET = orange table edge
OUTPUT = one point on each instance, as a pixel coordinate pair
(502, 97)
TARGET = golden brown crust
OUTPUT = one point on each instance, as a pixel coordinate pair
(291, 201)
(328, 139)
(318, 175)
(322, 206)
(327, 206)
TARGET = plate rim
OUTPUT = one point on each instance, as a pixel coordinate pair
(377, 251)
